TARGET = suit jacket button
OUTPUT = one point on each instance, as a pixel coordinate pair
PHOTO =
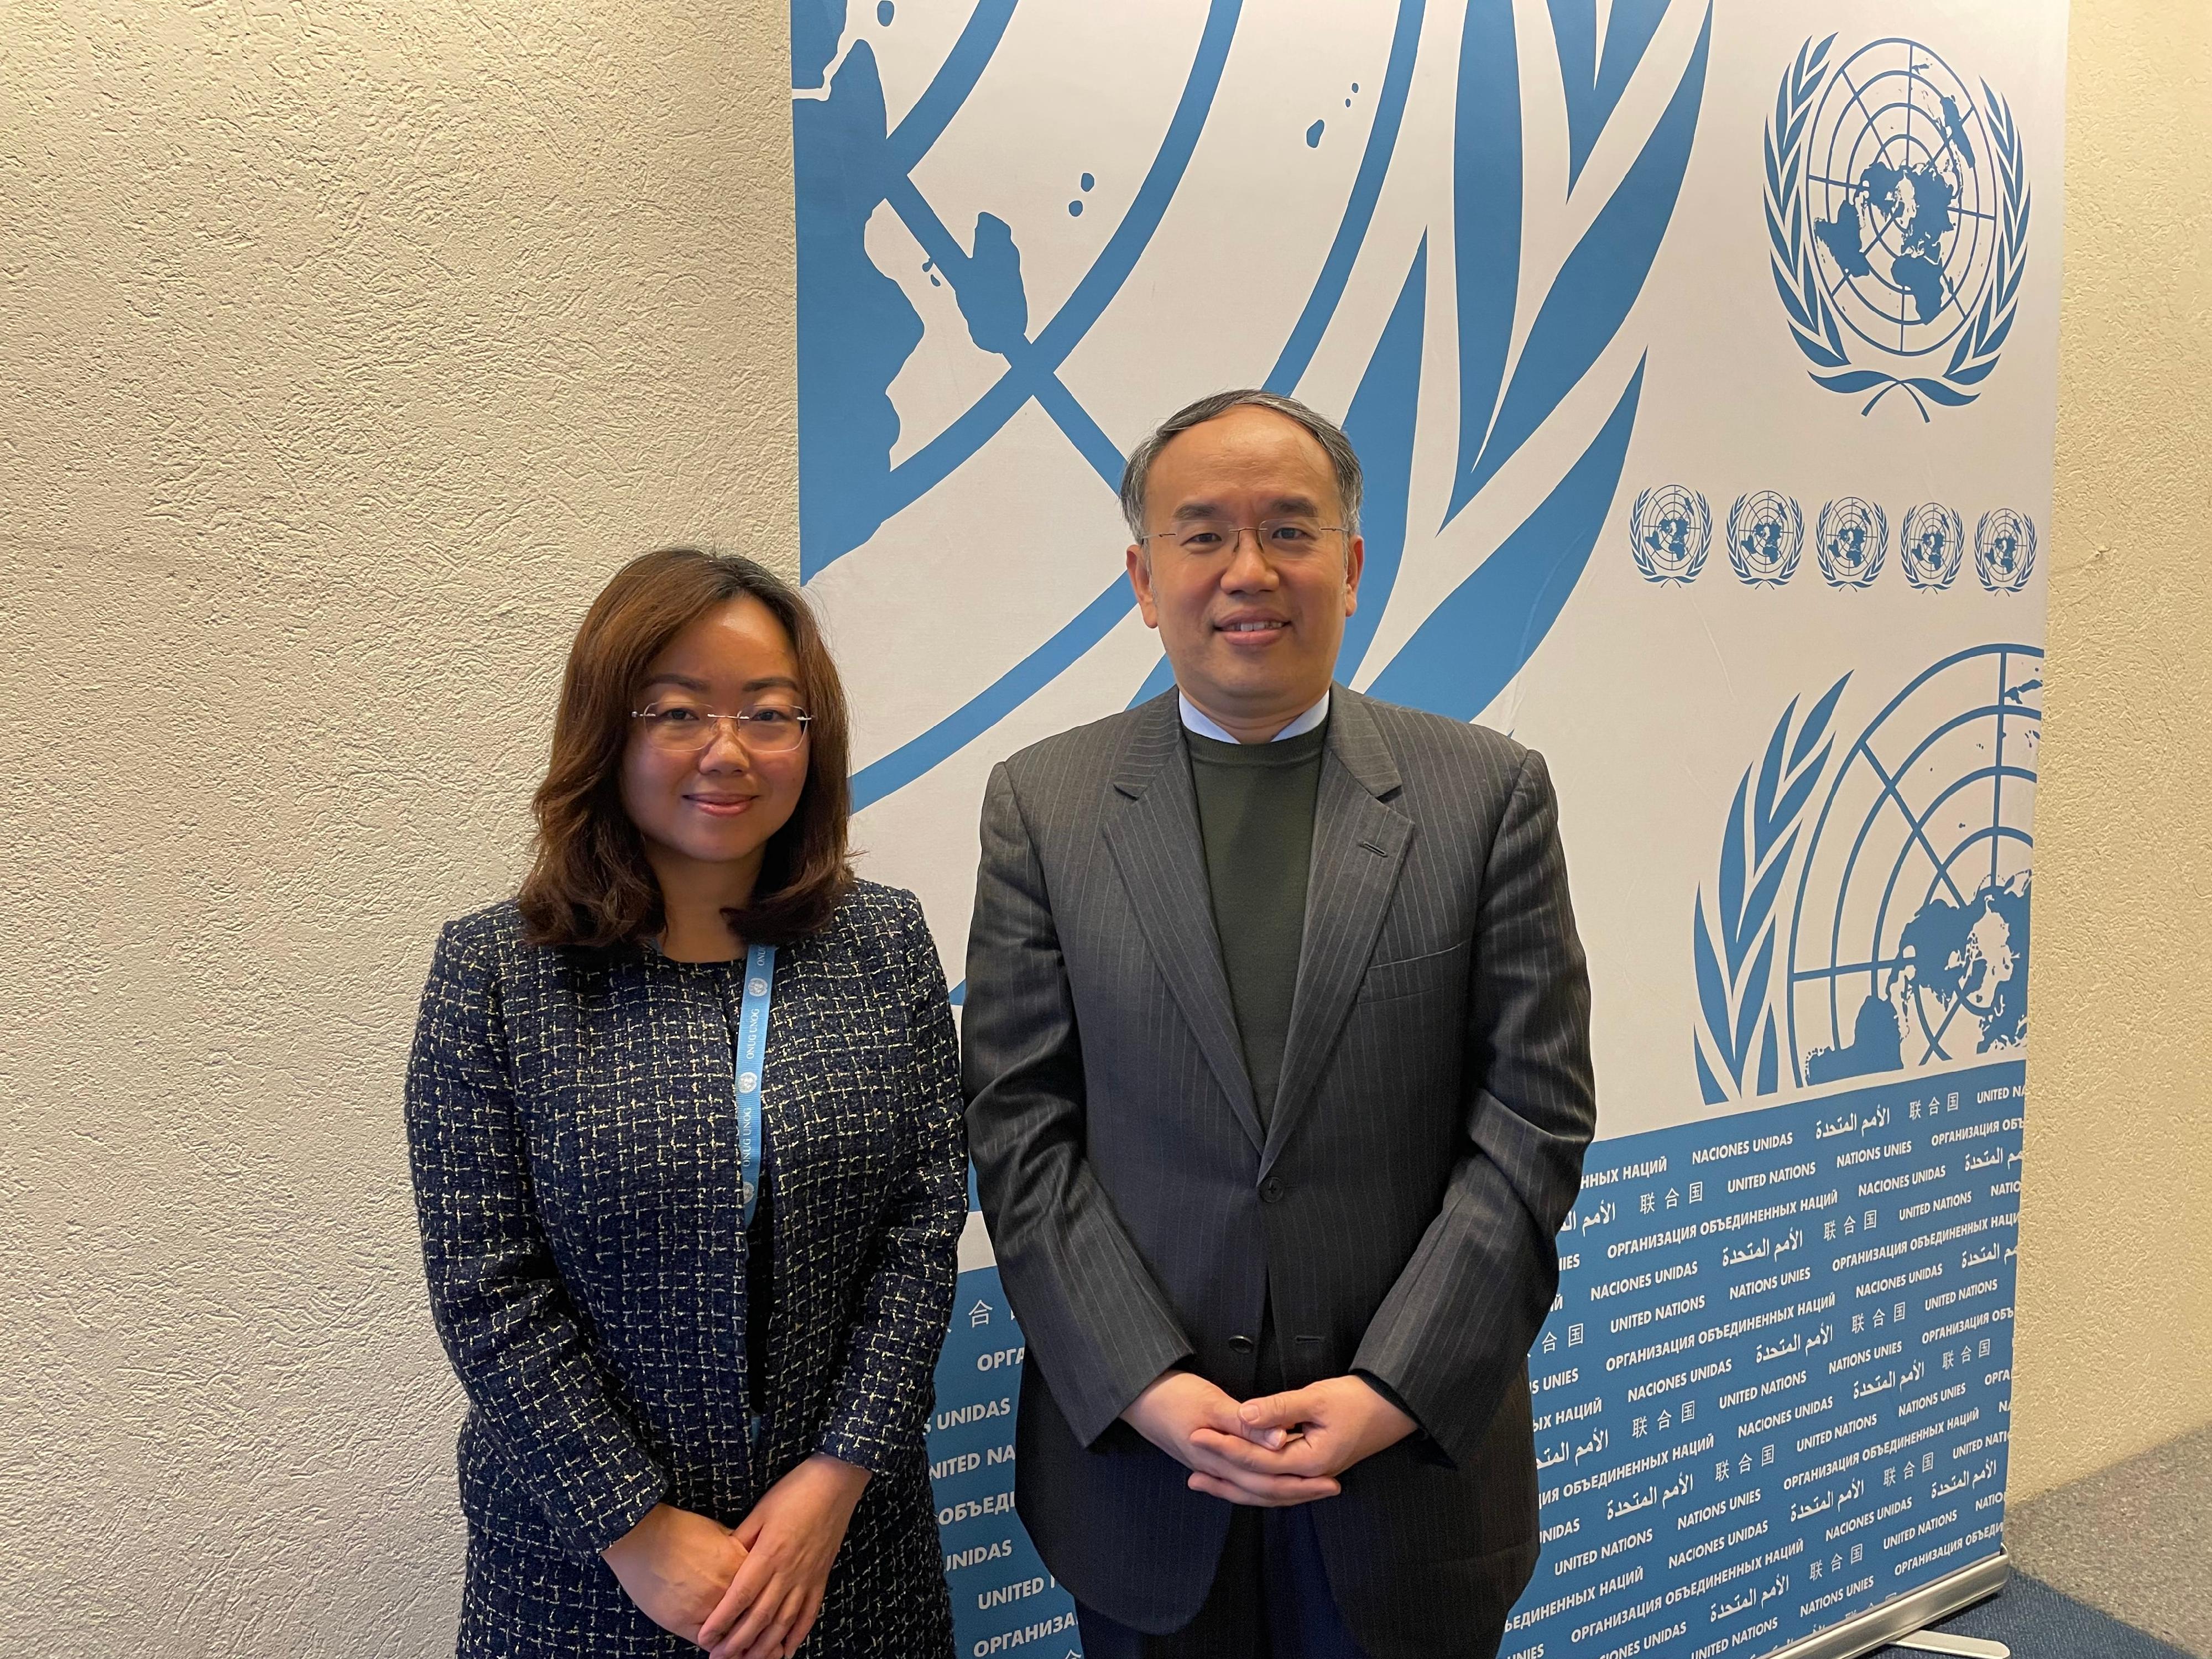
(1240, 1344)
(1273, 1190)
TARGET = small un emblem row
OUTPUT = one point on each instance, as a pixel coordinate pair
(1670, 532)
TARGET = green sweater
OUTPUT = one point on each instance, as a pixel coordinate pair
(1255, 815)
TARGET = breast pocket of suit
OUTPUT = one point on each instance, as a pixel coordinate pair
(1433, 973)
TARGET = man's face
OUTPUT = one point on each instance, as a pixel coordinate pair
(1251, 624)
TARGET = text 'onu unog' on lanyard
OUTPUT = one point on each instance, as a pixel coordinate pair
(751, 1051)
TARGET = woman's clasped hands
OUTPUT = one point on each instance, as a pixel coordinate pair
(752, 1591)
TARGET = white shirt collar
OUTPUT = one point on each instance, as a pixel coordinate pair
(1195, 719)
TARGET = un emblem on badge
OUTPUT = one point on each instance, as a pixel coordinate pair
(2004, 551)
(1897, 216)
(1766, 538)
(748, 1081)
(1852, 538)
(1670, 530)
(1929, 544)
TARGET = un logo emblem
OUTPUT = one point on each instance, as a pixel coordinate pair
(1852, 537)
(1905, 946)
(1766, 538)
(1897, 216)
(1929, 544)
(1670, 530)
(1908, 943)
(2004, 551)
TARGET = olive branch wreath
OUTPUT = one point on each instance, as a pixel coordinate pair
(1733, 937)
(1797, 272)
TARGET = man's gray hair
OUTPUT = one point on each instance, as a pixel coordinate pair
(1326, 432)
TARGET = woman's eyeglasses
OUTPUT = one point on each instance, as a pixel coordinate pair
(680, 729)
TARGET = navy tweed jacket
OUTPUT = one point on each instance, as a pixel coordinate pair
(571, 1120)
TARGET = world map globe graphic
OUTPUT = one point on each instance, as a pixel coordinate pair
(1931, 543)
(2004, 549)
(1766, 536)
(1670, 530)
(1901, 195)
(1853, 536)
(1909, 939)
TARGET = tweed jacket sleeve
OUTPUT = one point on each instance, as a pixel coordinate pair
(1456, 1326)
(502, 1311)
(1091, 1312)
(886, 1391)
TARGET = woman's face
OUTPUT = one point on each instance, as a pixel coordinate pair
(697, 790)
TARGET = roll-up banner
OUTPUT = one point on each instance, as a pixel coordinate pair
(1702, 359)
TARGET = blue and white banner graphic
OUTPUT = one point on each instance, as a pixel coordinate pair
(1702, 357)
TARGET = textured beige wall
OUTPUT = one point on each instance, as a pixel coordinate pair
(2114, 1348)
(343, 349)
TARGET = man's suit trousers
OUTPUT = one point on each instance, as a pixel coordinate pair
(1270, 1599)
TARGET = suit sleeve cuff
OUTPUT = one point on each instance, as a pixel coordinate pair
(1099, 1411)
(1421, 1443)
(611, 1517)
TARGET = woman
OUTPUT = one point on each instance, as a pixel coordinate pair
(685, 1124)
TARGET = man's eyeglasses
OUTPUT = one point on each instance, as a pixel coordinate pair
(679, 729)
(1274, 537)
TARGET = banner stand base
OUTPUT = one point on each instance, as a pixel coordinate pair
(1966, 1647)
(1883, 1625)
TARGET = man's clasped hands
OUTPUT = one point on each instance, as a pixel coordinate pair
(1278, 1450)
(751, 1591)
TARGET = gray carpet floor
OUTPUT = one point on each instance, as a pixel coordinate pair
(2134, 1541)
(2037, 1622)
(2117, 1566)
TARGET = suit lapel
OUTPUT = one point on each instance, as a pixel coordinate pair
(1151, 829)
(1359, 845)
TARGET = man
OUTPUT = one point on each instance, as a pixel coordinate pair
(1277, 1059)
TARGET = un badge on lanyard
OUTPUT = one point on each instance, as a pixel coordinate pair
(752, 1052)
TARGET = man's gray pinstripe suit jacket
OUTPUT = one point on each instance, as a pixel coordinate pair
(1398, 1210)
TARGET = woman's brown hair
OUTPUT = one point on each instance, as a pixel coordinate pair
(590, 884)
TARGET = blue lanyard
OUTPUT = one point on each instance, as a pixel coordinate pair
(752, 1049)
